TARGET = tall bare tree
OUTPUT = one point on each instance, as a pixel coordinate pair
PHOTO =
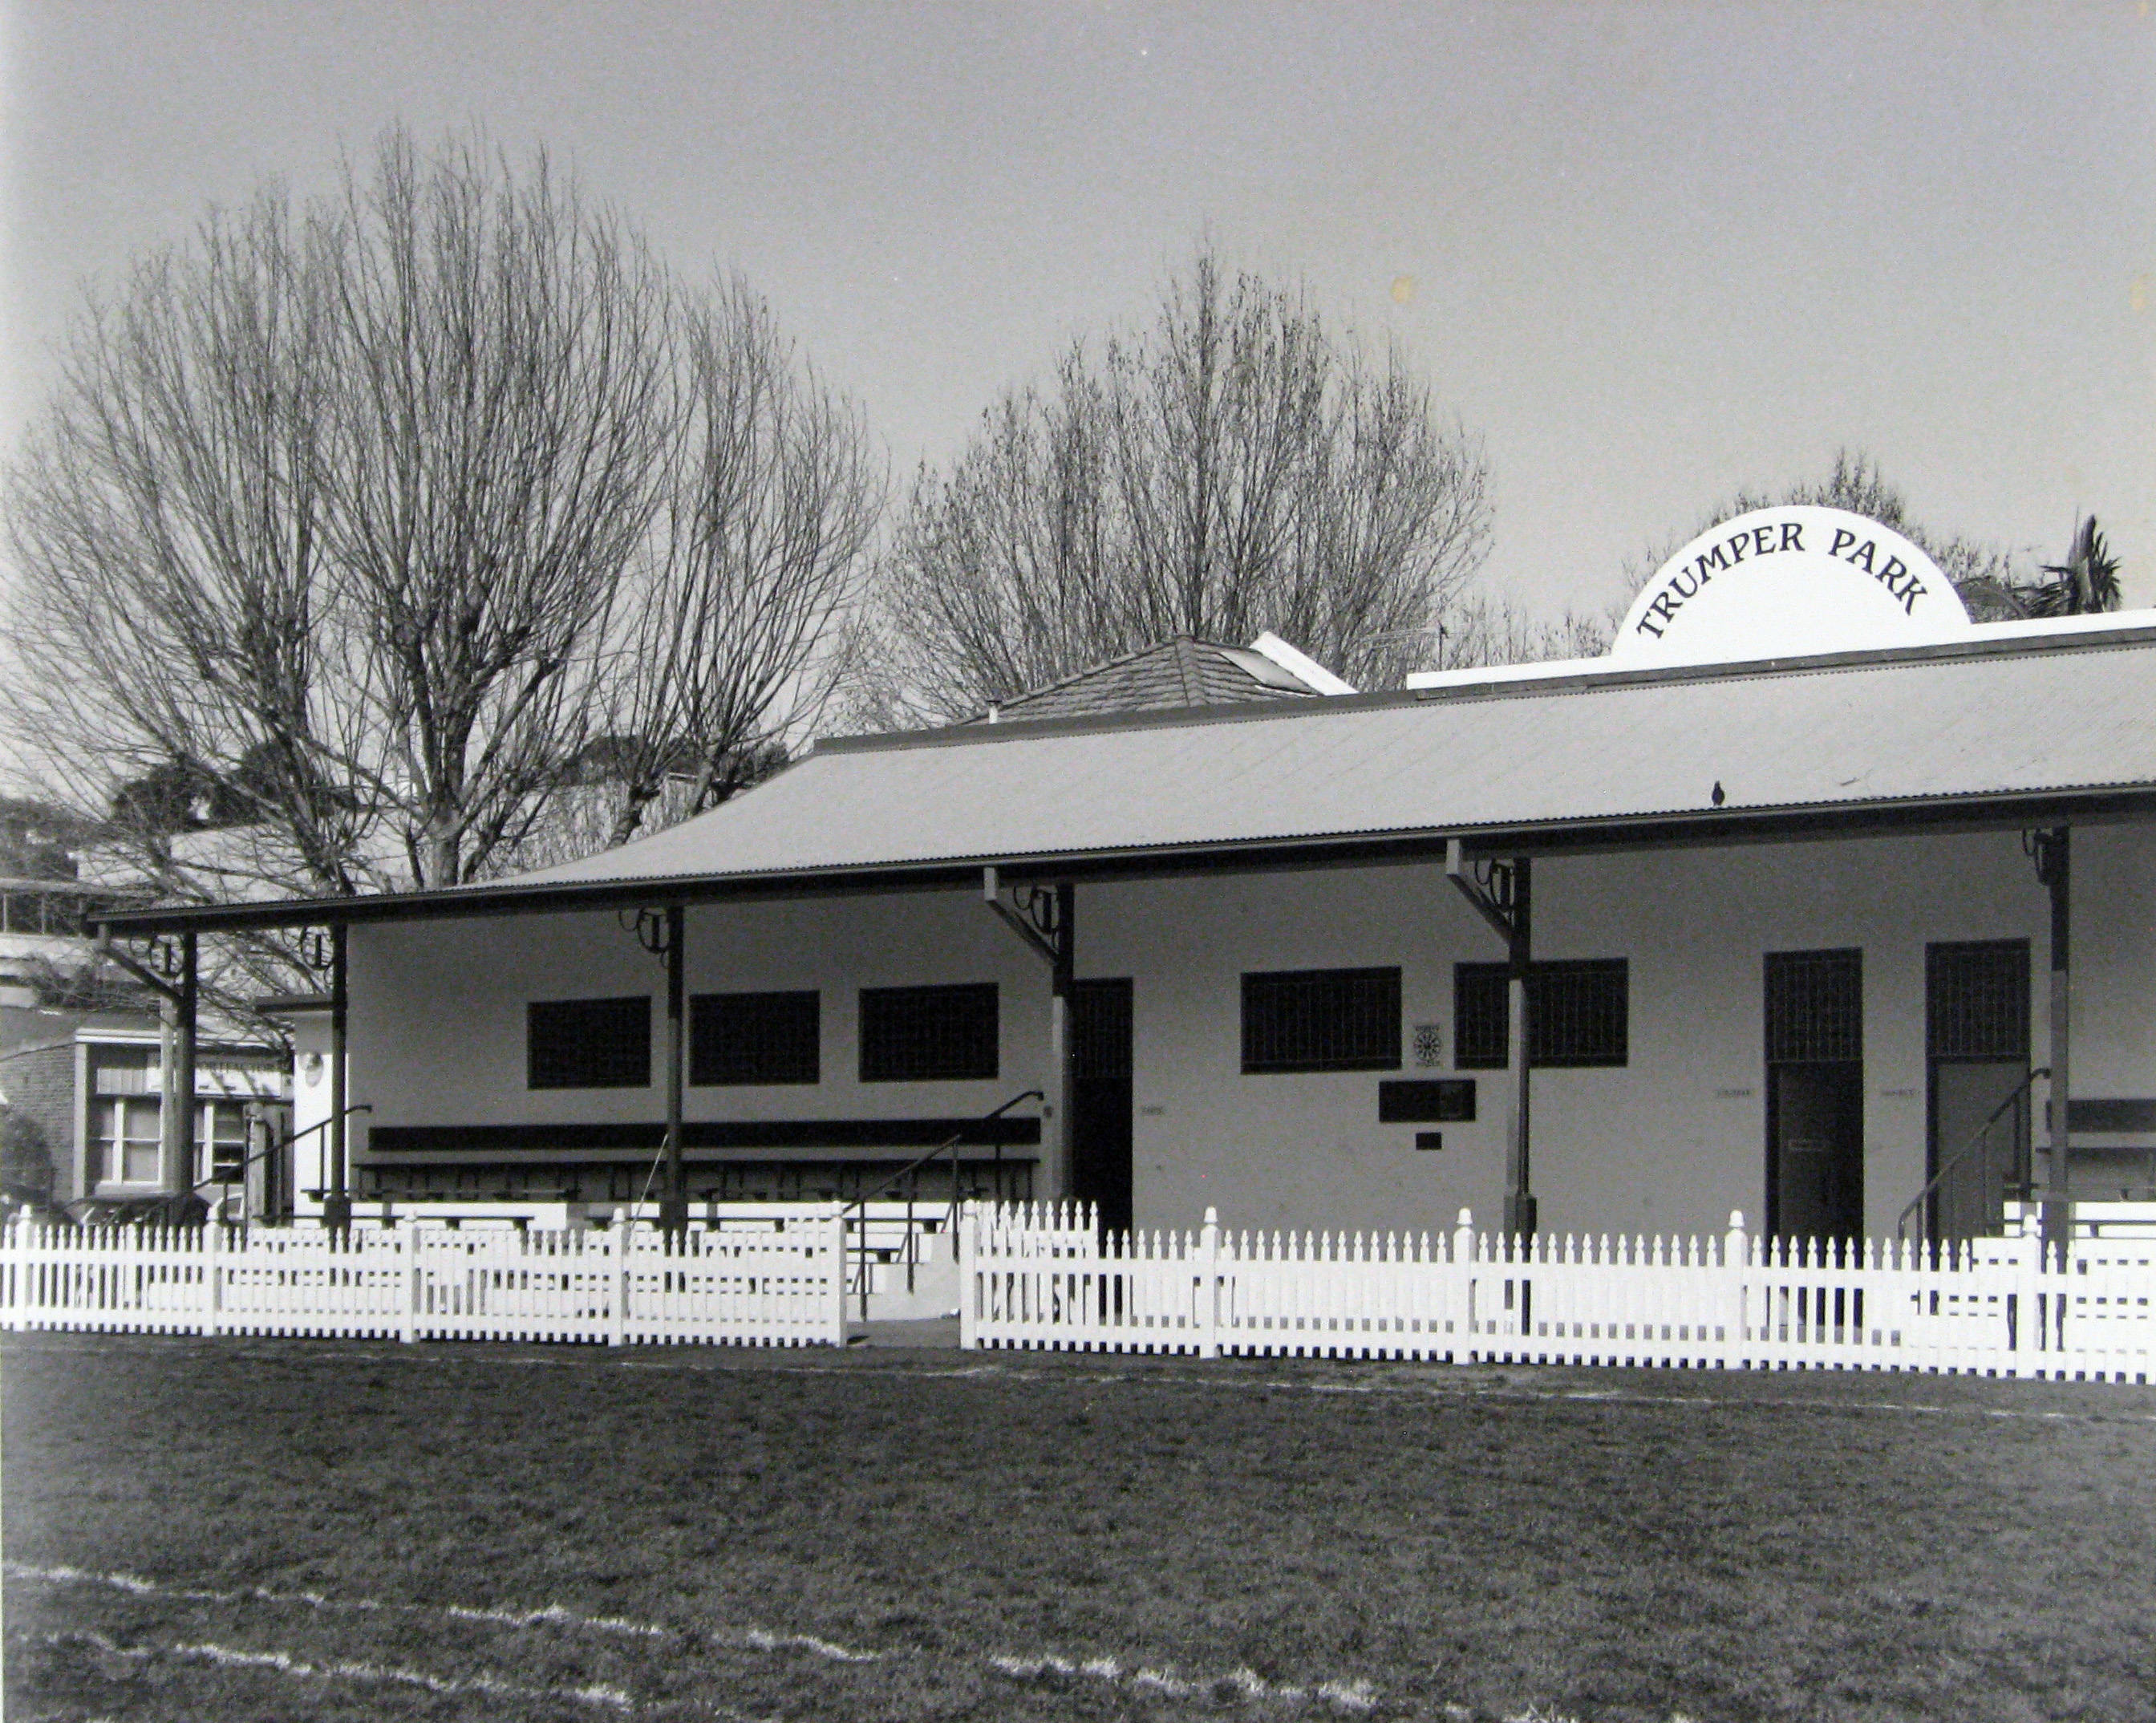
(500, 433)
(1984, 572)
(370, 532)
(1232, 469)
(728, 628)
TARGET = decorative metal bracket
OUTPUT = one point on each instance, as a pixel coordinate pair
(318, 950)
(650, 927)
(1037, 920)
(162, 971)
(1492, 887)
(2045, 847)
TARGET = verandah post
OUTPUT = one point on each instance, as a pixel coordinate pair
(1520, 1216)
(336, 1197)
(674, 1207)
(178, 1054)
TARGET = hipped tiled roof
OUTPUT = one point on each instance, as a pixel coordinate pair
(1185, 672)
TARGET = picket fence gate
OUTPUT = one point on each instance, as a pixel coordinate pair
(1041, 1275)
(629, 1285)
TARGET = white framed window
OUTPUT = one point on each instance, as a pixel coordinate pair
(221, 1142)
(127, 1134)
(126, 1138)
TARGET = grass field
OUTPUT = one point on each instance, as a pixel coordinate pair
(231, 1530)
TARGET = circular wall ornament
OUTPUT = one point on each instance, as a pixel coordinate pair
(1782, 582)
(310, 1068)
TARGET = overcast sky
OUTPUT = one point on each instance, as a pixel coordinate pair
(1648, 254)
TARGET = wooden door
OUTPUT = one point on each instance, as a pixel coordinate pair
(1101, 1100)
(1814, 1019)
(1817, 1111)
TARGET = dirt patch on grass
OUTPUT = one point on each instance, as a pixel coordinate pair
(254, 1528)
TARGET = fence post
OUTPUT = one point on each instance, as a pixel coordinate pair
(1735, 1260)
(1209, 1296)
(2031, 1332)
(212, 1259)
(408, 1243)
(835, 1243)
(1463, 1277)
(968, 1323)
(618, 1237)
(11, 1272)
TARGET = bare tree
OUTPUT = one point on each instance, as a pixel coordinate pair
(368, 543)
(173, 592)
(1233, 469)
(1495, 628)
(726, 632)
(499, 438)
(1985, 574)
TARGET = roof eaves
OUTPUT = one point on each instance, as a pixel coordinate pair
(1694, 827)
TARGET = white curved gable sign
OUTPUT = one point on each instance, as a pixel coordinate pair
(1792, 580)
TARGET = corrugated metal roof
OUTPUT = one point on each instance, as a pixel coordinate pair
(1919, 728)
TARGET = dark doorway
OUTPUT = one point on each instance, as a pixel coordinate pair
(1101, 1100)
(1976, 1032)
(1815, 1093)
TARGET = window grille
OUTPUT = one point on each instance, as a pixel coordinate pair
(1578, 1014)
(1977, 1000)
(1100, 1030)
(588, 1043)
(737, 1038)
(1322, 1020)
(929, 1034)
(1815, 1007)
(1482, 1032)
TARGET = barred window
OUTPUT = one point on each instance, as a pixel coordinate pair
(1578, 1014)
(1482, 1032)
(1976, 995)
(929, 1034)
(1322, 1020)
(588, 1043)
(737, 1038)
(1815, 1007)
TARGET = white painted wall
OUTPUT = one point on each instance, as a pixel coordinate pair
(437, 1022)
(310, 1109)
(1671, 1142)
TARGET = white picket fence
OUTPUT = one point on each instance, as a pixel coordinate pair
(1040, 1277)
(780, 1285)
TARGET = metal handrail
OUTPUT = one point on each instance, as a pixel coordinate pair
(323, 1125)
(951, 1147)
(1967, 1149)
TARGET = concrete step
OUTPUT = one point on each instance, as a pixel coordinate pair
(922, 1334)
